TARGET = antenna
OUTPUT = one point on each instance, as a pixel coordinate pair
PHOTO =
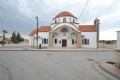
(83, 9)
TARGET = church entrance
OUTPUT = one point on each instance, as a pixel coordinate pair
(64, 43)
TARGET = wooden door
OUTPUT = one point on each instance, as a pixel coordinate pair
(64, 43)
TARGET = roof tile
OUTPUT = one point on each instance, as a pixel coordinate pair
(40, 29)
(87, 28)
(64, 13)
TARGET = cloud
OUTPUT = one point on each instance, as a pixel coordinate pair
(19, 15)
(111, 34)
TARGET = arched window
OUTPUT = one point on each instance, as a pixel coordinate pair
(73, 37)
(45, 41)
(64, 30)
(73, 20)
(55, 38)
(64, 19)
(55, 21)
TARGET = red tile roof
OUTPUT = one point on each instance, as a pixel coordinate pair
(32, 33)
(44, 29)
(64, 13)
(40, 29)
(82, 28)
(87, 28)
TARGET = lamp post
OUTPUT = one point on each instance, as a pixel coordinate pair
(37, 32)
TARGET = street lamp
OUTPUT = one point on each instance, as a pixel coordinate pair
(37, 31)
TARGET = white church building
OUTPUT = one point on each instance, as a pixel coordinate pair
(65, 31)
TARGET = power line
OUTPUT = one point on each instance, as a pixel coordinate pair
(83, 9)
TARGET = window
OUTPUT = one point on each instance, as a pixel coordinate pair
(73, 20)
(39, 37)
(85, 41)
(64, 30)
(42, 41)
(72, 41)
(82, 36)
(55, 21)
(55, 41)
(45, 41)
(64, 19)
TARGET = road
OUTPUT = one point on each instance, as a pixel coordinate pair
(53, 65)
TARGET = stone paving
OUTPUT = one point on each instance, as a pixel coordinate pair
(25, 47)
(54, 65)
(111, 69)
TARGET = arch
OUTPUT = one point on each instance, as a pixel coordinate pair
(65, 24)
(64, 29)
(55, 34)
(64, 19)
(73, 35)
(55, 38)
(55, 21)
(73, 20)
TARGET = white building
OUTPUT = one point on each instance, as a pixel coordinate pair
(1, 38)
(117, 50)
(65, 31)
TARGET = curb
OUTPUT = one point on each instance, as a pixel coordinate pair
(53, 49)
(93, 50)
(106, 69)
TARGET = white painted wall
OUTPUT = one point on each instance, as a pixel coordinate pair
(34, 40)
(43, 35)
(31, 40)
(68, 19)
(77, 25)
(92, 36)
(118, 39)
(71, 19)
(66, 36)
(117, 51)
(52, 26)
(117, 56)
(66, 24)
(1, 38)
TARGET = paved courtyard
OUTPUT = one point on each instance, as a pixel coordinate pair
(54, 65)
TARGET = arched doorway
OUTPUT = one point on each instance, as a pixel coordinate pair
(74, 39)
(64, 31)
(55, 39)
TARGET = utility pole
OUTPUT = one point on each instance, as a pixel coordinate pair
(37, 32)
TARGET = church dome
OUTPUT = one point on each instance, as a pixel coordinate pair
(64, 13)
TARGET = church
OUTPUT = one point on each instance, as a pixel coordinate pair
(65, 31)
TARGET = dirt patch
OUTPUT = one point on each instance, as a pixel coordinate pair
(110, 62)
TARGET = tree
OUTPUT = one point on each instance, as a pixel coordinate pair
(14, 38)
(3, 40)
(18, 37)
(22, 39)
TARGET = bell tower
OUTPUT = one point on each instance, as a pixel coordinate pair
(96, 24)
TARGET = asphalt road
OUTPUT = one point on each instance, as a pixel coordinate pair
(53, 65)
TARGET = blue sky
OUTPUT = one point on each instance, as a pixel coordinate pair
(19, 15)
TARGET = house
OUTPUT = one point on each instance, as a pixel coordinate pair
(1, 38)
(5, 40)
(117, 51)
(65, 31)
